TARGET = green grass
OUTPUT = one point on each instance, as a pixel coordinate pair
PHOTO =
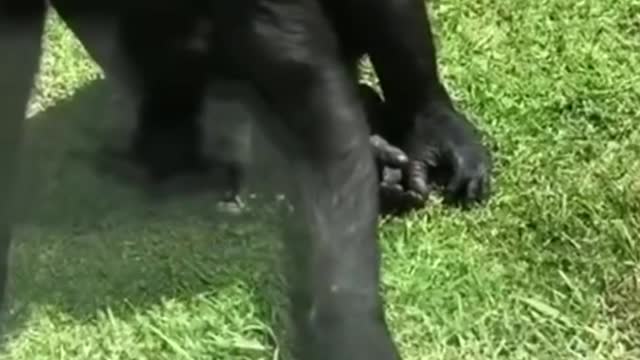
(549, 269)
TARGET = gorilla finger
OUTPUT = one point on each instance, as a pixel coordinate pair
(387, 154)
(476, 187)
(414, 199)
(390, 202)
(392, 176)
(456, 195)
(468, 191)
(416, 177)
(456, 183)
(484, 188)
(391, 187)
(473, 192)
(395, 201)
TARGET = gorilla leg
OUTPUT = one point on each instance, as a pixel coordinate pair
(170, 124)
(290, 54)
(172, 81)
(21, 26)
(227, 121)
(168, 137)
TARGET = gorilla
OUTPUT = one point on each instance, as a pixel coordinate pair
(299, 56)
(165, 154)
(463, 170)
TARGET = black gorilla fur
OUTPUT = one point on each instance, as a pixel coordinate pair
(168, 138)
(300, 57)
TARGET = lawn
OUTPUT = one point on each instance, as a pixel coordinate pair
(548, 269)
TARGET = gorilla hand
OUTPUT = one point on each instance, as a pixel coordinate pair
(390, 161)
(445, 148)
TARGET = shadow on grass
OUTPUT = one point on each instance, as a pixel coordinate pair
(89, 244)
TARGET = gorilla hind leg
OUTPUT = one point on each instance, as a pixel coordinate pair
(289, 51)
(168, 137)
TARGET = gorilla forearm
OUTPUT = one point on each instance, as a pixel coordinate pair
(419, 114)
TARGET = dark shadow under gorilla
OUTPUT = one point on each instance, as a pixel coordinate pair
(89, 244)
(295, 58)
